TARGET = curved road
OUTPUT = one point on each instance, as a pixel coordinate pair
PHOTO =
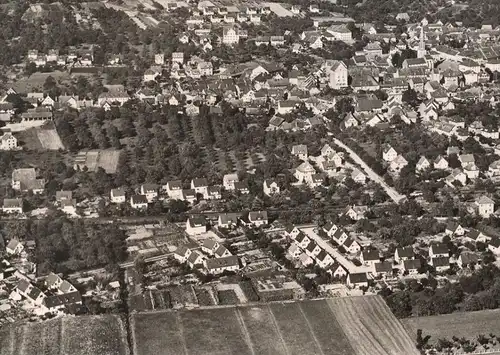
(393, 194)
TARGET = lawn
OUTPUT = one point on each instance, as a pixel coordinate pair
(468, 325)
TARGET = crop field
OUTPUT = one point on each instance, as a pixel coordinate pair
(351, 326)
(371, 327)
(468, 325)
(93, 159)
(84, 335)
(49, 138)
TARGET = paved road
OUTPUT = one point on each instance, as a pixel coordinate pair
(342, 260)
(393, 194)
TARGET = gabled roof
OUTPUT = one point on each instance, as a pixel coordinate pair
(312, 245)
(484, 200)
(440, 261)
(412, 264)
(406, 252)
(371, 255)
(468, 258)
(439, 248)
(200, 182)
(384, 266)
(358, 277)
(218, 263)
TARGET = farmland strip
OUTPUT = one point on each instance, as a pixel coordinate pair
(180, 326)
(244, 330)
(362, 342)
(311, 329)
(275, 322)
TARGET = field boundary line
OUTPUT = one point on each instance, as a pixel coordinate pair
(180, 326)
(244, 330)
(275, 322)
(311, 329)
(131, 320)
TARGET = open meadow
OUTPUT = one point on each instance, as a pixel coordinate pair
(350, 326)
(467, 325)
(85, 335)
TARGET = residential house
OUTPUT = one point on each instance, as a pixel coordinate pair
(324, 260)
(12, 205)
(241, 187)
(14, 247)
(196, 225)
(355, 213)
(485, 206)
(494, 246)
(440, 263)
(195, 259)
(258, 219)
(139, 202)
(357, 279)
(302, 240)
(358, 176)
(337, 270)
(412, 266)
(150, 191)
(200, 186)
(182, 253)
(227, 220)
(304, 172)
(8, 141)
(292, 232)
(312, 249)
(189, 195)
(440, 163)
(454, 228)
(339, 236)
(229, 180)
(174, 189)
(300, 151)
(422, 164)
(219, 265)
(389, 153)
(370, 257)
(330, 229)
(222, 252)
(209, 246)
(213, 193)
(271, 187)
(337, 73)
(475, 236)
(397, 164)
(467, 259)
(402, 254)
(438, 250)
(351, 246)
(383, 269)
(117, 195)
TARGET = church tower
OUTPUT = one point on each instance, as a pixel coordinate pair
(421, 52)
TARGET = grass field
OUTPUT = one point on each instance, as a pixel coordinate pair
(103, 335)
(351, 326)
(93, 159)
(40, 138)
(468, 325)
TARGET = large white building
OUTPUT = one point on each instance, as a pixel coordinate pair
(8, 141)
(337, 74)
(230, 36)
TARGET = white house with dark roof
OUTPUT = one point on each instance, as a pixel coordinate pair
(150, 191)
(219, 265)
(440, 163)
(351, 246)
(200, 186)
(383, 269)
(357, 279)
(14, 247)
(466, 259)
(174, 189)
(324, 260)
(270, 187)
(12, 205)
(8, 141)
(189, 195)
(494, 246)
(370, 257)
(475, 236)
(300, 151)
(485, 206)
(337, 270)
(139, 202)
(422, 164)
(196, 225)
(227, 220)
(440, 263)
(389, 153)
(454, 228)
(412, 266)
(195, 259)
(229, 180)
(118, 195)
(438, 249)
(402, 254)
(304, 172)
(222, 252)
(339, 236)
(257, 218)
(209, 246)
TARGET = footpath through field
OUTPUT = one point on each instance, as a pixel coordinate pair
(393, 194)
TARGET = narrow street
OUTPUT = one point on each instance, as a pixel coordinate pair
(393, 194)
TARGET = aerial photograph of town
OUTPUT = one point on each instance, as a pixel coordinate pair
(215, 177)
